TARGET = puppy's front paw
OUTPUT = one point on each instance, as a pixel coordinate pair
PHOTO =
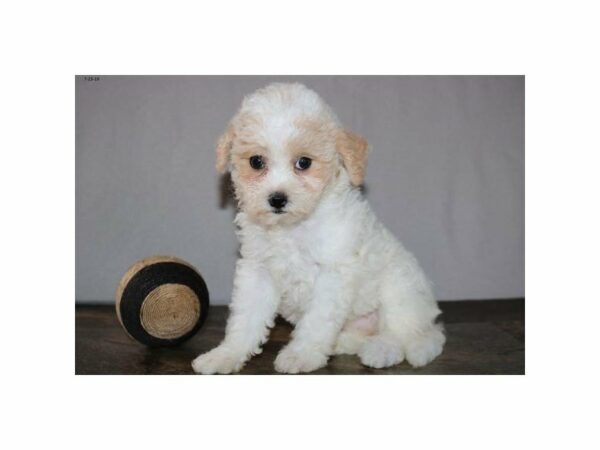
(292, 360)
(219, 360)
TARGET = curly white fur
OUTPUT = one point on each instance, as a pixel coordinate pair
(324, 262)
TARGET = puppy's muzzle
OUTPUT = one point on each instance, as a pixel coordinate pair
(278, 200)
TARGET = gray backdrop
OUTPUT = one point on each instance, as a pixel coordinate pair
(446, 174)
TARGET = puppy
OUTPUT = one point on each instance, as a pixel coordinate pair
(311, 248)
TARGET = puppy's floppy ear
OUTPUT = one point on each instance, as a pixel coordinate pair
(224, 149)
(354, 150)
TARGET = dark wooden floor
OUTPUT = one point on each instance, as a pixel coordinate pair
(484, 337)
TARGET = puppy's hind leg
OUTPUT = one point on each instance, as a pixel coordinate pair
(425, 346)
(406, 330)
(382, 350)
(355, 333)
(348, 343)
(366, 337)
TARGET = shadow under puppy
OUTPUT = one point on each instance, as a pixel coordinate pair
(311, 248)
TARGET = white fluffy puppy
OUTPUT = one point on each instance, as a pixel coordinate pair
(311, 248)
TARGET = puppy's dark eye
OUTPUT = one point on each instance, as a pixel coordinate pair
(256, 162)
(303, 163)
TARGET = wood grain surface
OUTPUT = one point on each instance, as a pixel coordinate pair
(484, 337)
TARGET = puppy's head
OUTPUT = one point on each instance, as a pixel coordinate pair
(284, 147)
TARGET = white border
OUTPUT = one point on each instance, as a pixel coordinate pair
(47, 43)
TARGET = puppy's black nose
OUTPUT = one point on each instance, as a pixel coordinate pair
(278, 200)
